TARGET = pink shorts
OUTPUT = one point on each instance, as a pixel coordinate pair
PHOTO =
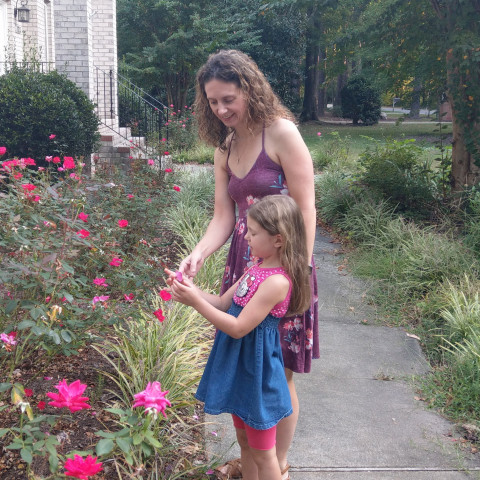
(258, 439)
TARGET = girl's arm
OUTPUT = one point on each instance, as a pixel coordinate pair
(221, 225)
(290, 150)
(270, 292)
(219, 302)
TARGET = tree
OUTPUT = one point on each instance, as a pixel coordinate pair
(164, 42)
(459, 22)
(312, 64)
(438, 53)
(361, 101)
(280, 53)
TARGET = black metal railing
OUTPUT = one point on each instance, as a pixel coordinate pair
(121, 103)
(42, 67)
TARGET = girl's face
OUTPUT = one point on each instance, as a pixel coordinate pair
(226, 101)
(261, 243)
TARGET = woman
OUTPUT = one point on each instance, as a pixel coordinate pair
(259, 152)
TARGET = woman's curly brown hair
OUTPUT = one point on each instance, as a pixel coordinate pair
(233, 66)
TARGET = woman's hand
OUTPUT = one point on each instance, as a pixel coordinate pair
(191, 265)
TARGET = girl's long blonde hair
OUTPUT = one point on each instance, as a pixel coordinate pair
(233, 66)
(279, 214)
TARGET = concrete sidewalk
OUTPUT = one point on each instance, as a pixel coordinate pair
(360, 418)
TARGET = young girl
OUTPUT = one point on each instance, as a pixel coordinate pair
(244, 374)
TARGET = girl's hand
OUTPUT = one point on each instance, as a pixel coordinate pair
(185, 292)
(182, 289)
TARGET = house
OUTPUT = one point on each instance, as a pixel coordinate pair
(77, 37)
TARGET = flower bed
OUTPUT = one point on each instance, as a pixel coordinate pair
(86, 327)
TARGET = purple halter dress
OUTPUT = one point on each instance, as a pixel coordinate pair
(298, 335)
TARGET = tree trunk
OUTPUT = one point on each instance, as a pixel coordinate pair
(464, 105)
(321, 94)
(416, 95)
(464, 170)
(341, 82)
(310, 101)
(312, 60)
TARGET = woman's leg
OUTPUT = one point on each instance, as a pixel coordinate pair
(286, 427)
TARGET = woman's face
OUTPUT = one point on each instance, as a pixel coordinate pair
(227, 102)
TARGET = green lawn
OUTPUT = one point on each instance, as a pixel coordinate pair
(359, 138)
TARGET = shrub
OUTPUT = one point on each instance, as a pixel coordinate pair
(333, 149)
(361, 101)
(472, 222)
(333, 195)
(394, 172)
(36, 105)
(200, 154)
(336, 111)
(366, 221)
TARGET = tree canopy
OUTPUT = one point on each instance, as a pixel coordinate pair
(421, 50)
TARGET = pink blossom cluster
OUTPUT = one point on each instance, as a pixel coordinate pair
(78, 467)
(8, 339)
(153, 399)
(69, 396)
(9, 165)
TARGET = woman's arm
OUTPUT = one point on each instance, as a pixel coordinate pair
(290, 151)
(221, 225)
(270, 292)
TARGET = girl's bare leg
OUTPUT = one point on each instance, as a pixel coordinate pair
(286, 427)
(249, 467)
(267, 465)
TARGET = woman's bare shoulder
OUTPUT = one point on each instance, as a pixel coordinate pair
(281, 127)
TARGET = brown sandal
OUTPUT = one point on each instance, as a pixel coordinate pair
(285, 471)
(233, 469)
(229, 470)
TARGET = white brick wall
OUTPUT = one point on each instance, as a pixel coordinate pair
(104, 18)
(78, 35)
(73, 42)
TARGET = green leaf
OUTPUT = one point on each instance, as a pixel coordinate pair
(53, 462)
(26, 455)
(51, 447)
(14, 446)
(5, 386)
(66, 335)
(116, 411)
(11, 306)
(28, 304)
(68, 296)
(3, 431)
(138, 439)
(146, 449)
(104, 447)
(154, 442)
(124, 443)
(36, 312)
(68, 268)
(55, 336)
(103, 434)
(25, 324)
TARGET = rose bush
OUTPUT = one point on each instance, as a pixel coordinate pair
(78, 256)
